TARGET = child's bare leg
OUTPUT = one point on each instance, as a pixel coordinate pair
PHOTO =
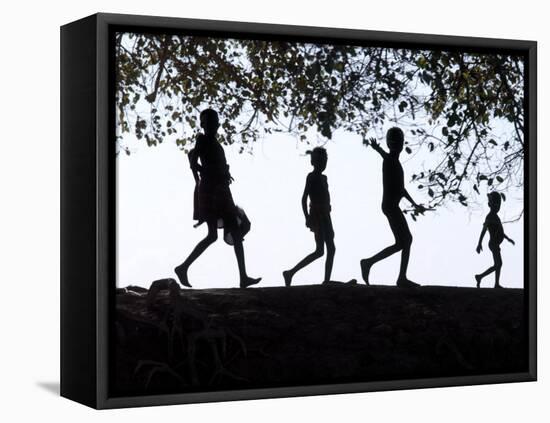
(287, 277)
(478, 280)
(498, 265)
(487, 272)
(310, 258)
(482, 275)
(405, 254)
(239, 254)
(494, 268)
(403, 238)
(331, 250)
(366, 264)
(211, 237)
(402, 280)
(246, 280)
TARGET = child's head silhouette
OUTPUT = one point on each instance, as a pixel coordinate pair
(209, 121)
(318, 158)
(395, 139)
(494, 200)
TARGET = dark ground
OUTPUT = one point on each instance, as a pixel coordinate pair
(197, 340)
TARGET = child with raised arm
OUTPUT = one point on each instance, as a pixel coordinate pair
(496, 236)
(318, 218)
(393, 191)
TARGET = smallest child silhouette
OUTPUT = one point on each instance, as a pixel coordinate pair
(318, 217)
(496, 236)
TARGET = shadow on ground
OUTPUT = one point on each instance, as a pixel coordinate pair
(51, 387)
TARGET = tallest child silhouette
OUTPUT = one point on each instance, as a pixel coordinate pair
(213, 202)
(393, 181)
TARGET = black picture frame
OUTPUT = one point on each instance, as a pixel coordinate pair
(88, 198)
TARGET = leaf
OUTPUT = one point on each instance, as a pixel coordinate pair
(421, 62)
(326, 131)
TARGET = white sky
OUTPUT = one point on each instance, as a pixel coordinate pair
(155, 227)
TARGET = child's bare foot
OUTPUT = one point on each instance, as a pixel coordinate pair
(478, 280)
(352, 282)
(405, 283)
(248, 281)
(182, 275)
(365, 269)
(499, 286)
(287, 276)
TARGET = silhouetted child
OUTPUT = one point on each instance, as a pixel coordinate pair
(496, 236)
(394, 190)
(213, 202)
(318, 217)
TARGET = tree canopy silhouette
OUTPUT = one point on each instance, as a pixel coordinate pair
(465, 109)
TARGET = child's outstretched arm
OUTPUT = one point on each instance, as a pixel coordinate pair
(376, 147)
(419, 207)
(510, 240)
(479, 246)
(410, 199)
(194, 164)
(304, 201)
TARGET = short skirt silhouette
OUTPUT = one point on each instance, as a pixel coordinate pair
(213, 201)
(320, 222)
